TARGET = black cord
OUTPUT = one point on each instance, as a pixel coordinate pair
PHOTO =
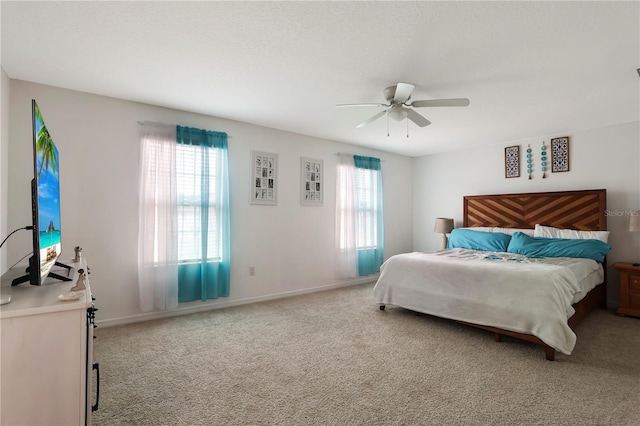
(21, 259)
(19, 229)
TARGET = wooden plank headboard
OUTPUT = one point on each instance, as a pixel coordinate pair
(583, 210)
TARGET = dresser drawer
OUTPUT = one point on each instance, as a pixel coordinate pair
(634, 301)
(634, 283)
(629, 286)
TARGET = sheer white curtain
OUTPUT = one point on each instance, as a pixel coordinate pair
(157, 219)
(346, 217)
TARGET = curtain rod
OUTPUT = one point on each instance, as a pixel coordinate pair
(346, 153)
(153, 122)
(140, 123)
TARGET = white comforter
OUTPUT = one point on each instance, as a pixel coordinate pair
(504, 290)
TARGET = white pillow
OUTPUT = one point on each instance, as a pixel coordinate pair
(480, 228)
(511, 231)
(570, 234)
(508, 231)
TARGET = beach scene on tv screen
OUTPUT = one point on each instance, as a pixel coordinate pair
(48, 178)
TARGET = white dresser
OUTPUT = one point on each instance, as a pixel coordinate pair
(46, 347)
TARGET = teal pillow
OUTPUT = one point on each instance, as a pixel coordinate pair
(478, 240)
(557, 247)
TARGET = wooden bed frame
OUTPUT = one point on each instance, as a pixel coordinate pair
(582, 210)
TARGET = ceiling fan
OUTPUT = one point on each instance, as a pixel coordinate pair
(399, 108)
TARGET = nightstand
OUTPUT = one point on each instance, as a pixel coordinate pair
(629, 289)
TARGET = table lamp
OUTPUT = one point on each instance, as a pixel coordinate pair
(634, 225)
(444, 225)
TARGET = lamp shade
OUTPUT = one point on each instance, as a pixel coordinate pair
(634, 221)
(444, 225)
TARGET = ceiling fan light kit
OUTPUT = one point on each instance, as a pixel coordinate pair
(398, 113)
(399, 108)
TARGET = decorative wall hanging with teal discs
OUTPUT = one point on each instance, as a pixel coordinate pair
(529, 161)
(543, 160)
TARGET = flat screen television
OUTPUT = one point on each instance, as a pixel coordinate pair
(45, 205)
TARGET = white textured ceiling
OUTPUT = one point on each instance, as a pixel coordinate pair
(529, 68)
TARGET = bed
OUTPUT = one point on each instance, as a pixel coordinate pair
(512, 293)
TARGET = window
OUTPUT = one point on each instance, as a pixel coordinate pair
(366, 185)
(184, 224)
(345, 210)
(198, 203)
(359, 216)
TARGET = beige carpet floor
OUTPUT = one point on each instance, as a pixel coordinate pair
(333, 358)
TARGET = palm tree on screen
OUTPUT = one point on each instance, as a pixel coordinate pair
(45, 147)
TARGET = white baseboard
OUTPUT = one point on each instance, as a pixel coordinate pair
(199, 306)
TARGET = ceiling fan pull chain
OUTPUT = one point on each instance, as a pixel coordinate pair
(407, 121)
(387, 123)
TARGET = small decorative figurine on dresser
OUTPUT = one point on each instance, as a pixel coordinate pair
(78, 251)
(80, 283)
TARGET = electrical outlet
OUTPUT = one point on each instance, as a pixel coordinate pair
(252, 270)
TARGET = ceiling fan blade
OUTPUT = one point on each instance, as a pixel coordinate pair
(441, 103)
(371, 119)
(417, 118)
(362, 105)
(403, 92)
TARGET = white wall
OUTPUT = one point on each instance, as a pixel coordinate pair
(4, 162)
(604, 158)
(291, 246)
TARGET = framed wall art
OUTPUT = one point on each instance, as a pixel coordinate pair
(512, 161)
(560, 154)
(311, 182)
(264, 178)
